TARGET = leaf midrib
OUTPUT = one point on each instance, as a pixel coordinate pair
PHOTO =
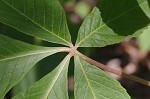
(86, 78)
(57, 76)
(108, 22)
(40, 52)
(95, 82)
(35, 22)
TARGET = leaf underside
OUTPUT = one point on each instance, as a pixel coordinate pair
(52, 86)
(115, 21)
(16, 59)
(94, 83)
(44, 19)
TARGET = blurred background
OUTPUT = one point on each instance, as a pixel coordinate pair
(131, 56)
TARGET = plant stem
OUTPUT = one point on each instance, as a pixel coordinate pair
(106, 68)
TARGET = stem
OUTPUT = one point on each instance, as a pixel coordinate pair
(64, 49)
(106, 68)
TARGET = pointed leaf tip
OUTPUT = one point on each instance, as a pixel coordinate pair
(17, 58)
(44, 19)
(117, 20)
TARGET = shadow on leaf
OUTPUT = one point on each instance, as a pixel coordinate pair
(124, 17)
(149, 2)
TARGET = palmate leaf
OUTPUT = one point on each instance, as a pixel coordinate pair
(17, 58)
(93, 83)
(52, 86)
(116, 20)
(44, 19)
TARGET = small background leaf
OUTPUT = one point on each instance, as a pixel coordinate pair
(145, 6)
(144, 40)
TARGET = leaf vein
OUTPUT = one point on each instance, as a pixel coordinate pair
(41, 52)
(108, 88)
(86, 78)
(36, 23)
(108, 22)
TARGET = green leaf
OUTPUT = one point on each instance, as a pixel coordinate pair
(16, 59)
(44, 19)
(52, 86)
(145, 6)
(85, 9)
(144, 41)
(117, 20)
(93, 83)
(29, 79)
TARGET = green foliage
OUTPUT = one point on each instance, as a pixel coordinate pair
(42, 19)
(17, 58)
(85, 9)
(144, 41)
(112, 26)
(53, 85)
(95, 83)
(108, 23)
